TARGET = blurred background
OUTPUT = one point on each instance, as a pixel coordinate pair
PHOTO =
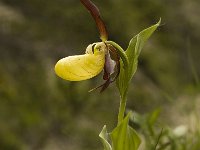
(40, 111)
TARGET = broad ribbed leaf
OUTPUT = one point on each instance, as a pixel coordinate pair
(104, 138)
(135, 46)
(133, 51)
(124, 137)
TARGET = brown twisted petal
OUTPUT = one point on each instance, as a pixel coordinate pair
(94, 11)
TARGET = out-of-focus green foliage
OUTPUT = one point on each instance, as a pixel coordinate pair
(36, 107)
(181, 137)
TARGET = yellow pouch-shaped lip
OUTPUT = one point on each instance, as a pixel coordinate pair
(82, 67)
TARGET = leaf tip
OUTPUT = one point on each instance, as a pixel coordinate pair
(159, 22)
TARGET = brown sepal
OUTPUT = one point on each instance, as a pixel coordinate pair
(94, 11)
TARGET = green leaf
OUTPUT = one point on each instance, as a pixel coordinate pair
(135, 46)
(122, 80)
(124, 137)
(153, 116)
(133, 51)
(104, 138)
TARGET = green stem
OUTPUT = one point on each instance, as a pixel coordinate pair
(123, 94)
(121, 53)
(122, 108)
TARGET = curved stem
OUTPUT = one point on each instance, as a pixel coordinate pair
(123, 94)
(121, 53)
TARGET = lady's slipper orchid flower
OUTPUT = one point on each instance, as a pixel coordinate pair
(98, 56)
